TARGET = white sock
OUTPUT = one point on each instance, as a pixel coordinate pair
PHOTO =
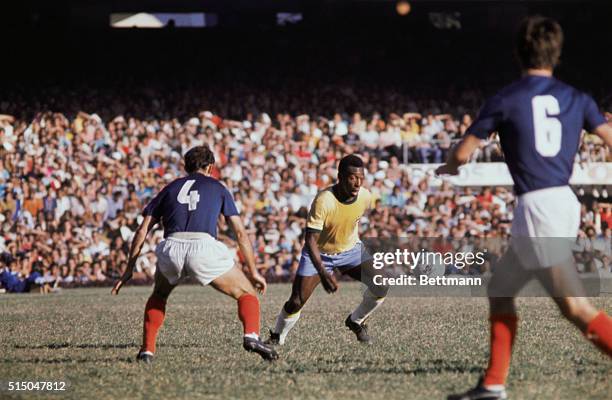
(369, 303)
(284, 323)
(495, 388)
(252, 335)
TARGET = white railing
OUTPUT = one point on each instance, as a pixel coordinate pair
(497, 174)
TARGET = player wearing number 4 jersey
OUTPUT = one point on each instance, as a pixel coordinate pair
(539, 121)
(188, 210)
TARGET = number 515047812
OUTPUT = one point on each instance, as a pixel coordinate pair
(28, 386)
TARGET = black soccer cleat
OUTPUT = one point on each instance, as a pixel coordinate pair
(257, 346)
(274, 339)
(145, 357)
(361, 331)
(480, 393)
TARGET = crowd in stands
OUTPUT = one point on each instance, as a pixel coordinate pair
(72, 186)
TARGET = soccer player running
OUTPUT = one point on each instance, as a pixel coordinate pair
(189, 208)
(539, 121)
(332, 242)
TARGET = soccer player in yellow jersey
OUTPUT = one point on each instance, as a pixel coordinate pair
(332, 242)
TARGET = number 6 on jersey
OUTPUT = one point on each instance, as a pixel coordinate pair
(186, 197)
(546, 126)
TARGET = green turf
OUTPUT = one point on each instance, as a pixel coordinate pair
(425, 348)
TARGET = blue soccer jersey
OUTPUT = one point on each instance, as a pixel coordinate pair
(539, 120)
(192, 204)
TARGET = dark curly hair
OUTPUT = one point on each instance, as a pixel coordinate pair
(349, 161)
(198, 158)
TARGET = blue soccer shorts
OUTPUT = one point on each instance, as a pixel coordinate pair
(342, 261)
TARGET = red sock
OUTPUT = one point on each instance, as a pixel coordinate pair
(155, 311)
(599, 331)
(248, 312)
(503, 331)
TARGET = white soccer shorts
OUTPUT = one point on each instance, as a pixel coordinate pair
(193, 254)
(545, 226)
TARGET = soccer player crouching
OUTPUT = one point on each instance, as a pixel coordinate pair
(189, 208)
(539, 121)
(332, 242)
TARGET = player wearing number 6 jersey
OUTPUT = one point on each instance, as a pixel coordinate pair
(188, 209)
(539, 121)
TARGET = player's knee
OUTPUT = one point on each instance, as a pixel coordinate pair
(502, 305)
(499, 289)
(160, 294)
(572, 308)
(379, 291)
(293, 305)
(249, 289)
(238, 291)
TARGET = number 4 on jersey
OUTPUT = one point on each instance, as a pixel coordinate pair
(186, 197)
(546, 126)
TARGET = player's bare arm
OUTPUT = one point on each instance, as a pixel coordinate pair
(604, 131)
(459, 155)
(244, 244)
(327, 280)
(139, 238)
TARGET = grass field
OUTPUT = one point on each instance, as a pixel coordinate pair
(425, 348)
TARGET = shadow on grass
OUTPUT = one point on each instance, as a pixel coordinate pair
(438, 365)
(54, 346)
(415, 368)
(101, 346)
(67, 360)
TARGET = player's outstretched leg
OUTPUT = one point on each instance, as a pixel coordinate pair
(565, 287)
(301, 290)
(599, 332)
(595, 325)
(155, 311)
(235, 284)
(373, 298)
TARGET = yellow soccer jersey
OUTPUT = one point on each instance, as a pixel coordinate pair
(338, 222)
